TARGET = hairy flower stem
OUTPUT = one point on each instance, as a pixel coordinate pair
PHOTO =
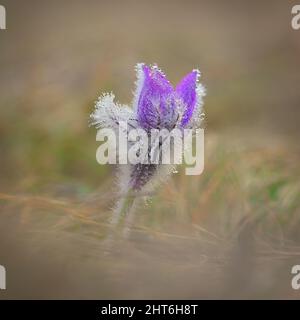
(129, 218)
(123, 206)
(125, 209)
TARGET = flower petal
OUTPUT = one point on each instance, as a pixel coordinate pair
(186, 90)
(109, 114)
(155, 101)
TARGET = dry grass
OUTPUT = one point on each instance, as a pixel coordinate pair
(232, 232)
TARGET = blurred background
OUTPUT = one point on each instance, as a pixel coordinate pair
(232, 232)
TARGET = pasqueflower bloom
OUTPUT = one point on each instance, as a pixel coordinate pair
(156, 105)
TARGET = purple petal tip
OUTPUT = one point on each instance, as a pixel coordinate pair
(186, 90)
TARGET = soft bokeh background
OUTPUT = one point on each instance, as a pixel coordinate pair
(232, 232)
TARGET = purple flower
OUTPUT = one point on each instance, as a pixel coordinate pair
(157, 105)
